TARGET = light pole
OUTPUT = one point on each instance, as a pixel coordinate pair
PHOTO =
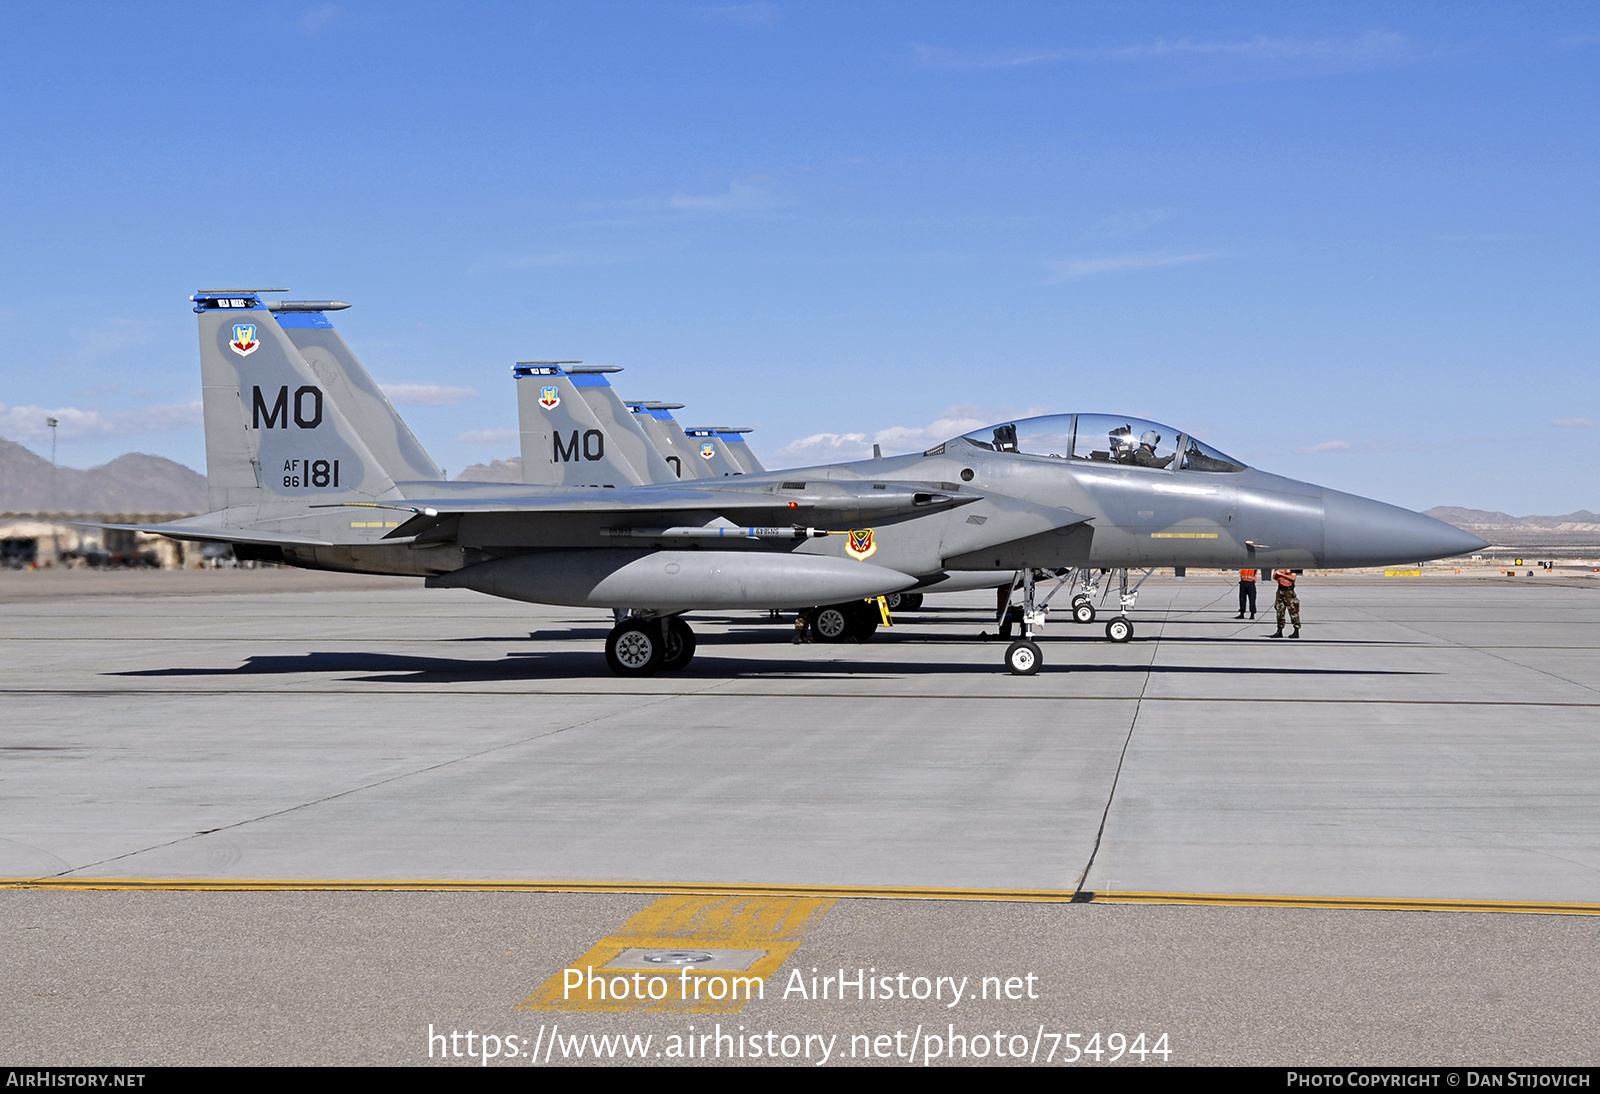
(55, 528)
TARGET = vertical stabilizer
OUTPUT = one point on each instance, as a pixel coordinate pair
(273, 433)
(667, 437)
(617, 424)
(563, 443)
(390, 440)
(709, 447)
(738, 451)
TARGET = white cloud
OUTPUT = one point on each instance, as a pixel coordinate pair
(112, 336)
(1373, 48)
(754, 15)
(1129, 224)
(541, 260)
(742, 195)
(548, 258)
(317, 19)
(1482, 237)
(427, 394)
(28, 422)
(490, 436)
(824, 448)
(896, 440)
(1359, 446)
(1072, 269)
(956, 60)
(1575, 423)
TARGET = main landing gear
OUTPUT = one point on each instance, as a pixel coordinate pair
(852, 621)
(1023, 657)
(1119, 628)
(642, 646)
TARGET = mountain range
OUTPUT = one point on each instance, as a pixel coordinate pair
(133, 483)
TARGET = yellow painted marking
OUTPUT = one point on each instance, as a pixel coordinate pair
(827, 894)
(1183, 535)
(1405, 573)
(374, 524)
(768, 923)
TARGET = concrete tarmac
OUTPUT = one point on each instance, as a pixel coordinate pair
(1428, 741)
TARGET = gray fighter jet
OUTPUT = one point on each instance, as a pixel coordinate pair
(308, 465)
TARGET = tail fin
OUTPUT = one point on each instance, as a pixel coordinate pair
(272, 431)
(563, 442)
(710, 447)
(619, 425)
(738, 451)
(390, 440)
(667, 437)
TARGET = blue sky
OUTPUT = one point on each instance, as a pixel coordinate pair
(1351, 243)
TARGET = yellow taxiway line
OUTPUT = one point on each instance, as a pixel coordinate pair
(1038, 896)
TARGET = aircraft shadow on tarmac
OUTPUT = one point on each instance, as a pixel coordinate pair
(402, 669)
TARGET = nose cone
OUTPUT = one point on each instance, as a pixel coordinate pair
(1362, 532)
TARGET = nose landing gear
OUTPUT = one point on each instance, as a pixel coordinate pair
(1023, 657)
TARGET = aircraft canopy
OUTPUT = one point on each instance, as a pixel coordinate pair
(1103, 438)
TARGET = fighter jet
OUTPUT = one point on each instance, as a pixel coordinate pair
(307, 465)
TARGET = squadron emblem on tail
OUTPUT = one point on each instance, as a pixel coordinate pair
(244, 340)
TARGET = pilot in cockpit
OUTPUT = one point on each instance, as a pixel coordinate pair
(1145, 454)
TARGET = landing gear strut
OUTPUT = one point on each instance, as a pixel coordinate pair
(1023, 657)
(680, 645)
(1119, 628)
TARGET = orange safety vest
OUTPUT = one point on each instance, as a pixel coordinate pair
(1284, 578)
(1247, 575)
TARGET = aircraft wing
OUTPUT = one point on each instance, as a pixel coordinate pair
(177, 530)
(821, 505)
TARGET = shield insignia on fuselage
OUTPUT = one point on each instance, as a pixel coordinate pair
(244, 340)
(548, 398)
(708, 450)
(860, 544)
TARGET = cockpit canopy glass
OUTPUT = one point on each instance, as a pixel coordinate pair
(1102, 438)
(1202, 457)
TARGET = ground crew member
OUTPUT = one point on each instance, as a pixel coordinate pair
(1286, 602)
(1247, 592)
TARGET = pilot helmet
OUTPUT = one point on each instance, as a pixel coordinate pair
(1151, 438)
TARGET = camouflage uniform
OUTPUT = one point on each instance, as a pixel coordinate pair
(1287, 602)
